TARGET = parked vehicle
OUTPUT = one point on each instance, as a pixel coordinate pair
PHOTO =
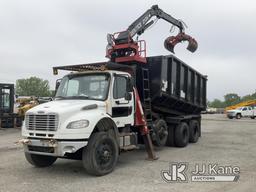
(240, 112)
(8, 117)
(101, 109)
(96, 111)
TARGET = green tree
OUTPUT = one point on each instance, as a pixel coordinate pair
(216, 103)
(33, 86)
(231, 99)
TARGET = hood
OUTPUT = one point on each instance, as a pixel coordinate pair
(63, 106)
(232, 111)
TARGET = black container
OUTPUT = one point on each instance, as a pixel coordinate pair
(175, 87)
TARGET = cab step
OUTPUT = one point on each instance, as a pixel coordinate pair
(128, 147)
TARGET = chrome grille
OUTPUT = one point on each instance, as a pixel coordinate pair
(47, 122)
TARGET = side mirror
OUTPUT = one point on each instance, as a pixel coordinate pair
(128, 96)
(130, 85)
(57, 85)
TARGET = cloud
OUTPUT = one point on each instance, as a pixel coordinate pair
(36, 35)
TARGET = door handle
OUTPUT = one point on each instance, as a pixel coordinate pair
(119, 102)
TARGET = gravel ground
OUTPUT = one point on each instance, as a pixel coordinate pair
(223, 141)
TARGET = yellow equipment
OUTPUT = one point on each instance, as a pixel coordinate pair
(25, 104)
(244, 103)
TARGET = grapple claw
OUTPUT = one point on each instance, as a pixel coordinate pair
(170, 42)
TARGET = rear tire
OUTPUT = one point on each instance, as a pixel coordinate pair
(230, 117)
(194, 131)
(252, 117)
(101, 154)
(238, 116)
(40, 160)
(170, 139)
(181, 135)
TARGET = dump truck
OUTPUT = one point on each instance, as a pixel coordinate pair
(102, 109)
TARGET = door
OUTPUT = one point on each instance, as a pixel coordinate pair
(250, 111)
(122, 102)
(245, 111)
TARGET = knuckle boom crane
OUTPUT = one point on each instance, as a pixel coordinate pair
(123, 48)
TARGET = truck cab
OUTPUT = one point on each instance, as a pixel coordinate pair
(82, 101)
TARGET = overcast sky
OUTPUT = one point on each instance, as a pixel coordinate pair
(37, 35)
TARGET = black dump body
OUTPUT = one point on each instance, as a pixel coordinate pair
(175, 88)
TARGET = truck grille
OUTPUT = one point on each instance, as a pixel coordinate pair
(47, 122)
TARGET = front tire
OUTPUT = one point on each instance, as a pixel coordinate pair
(181, 135)
(101, 154)
(238, 116)
(40, 160)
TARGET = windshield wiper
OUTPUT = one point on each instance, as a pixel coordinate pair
(78, 97)
(59, 97)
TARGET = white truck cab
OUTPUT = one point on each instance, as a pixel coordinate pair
(82, 101)
(246, 111)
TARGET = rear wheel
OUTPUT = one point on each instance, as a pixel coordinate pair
(193, 131)
(40, 160)
(181, 135)
(170, 139)
(238, 116)
(252, 117)
(101, 154)
(162, 131)
(230, 117)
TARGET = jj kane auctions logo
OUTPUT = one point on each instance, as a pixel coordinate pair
(178, 172)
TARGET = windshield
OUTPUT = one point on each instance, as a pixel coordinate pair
(85, 86)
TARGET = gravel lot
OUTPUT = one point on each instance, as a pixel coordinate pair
(223, 141)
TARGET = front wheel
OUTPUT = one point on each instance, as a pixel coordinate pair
(40, 160)
(252, 117)
(101, 154)
(238, 116)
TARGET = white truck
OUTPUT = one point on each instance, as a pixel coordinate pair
(246, 111)
(103, 108)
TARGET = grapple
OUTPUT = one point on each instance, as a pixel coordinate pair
(170, 42)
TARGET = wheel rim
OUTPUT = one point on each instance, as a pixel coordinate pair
(162, 132)
(105, 154)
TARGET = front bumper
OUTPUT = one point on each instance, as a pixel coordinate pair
(231, 114)
(52, 147)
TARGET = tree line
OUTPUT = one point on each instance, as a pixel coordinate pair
(38, 87)
(230, 99)
(33, 86)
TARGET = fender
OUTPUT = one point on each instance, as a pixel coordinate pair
(106, 124)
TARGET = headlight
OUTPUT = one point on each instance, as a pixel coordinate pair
(78, 124)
